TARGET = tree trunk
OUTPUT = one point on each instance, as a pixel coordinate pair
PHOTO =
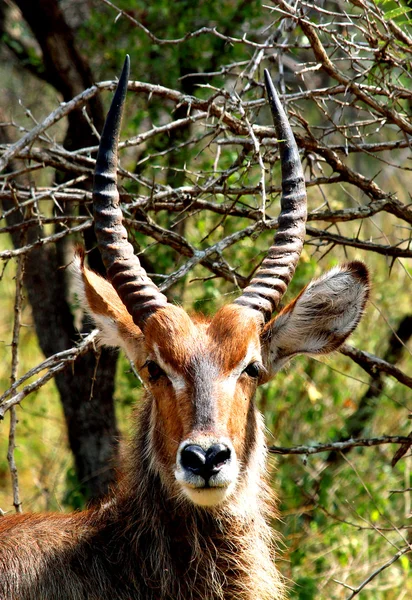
(86, 391)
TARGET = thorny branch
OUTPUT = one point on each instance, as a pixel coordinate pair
(355, 591)
(373, 364)
(339, 446)
(356, 110)
(11, 397)
(345, 80)
(14, 367)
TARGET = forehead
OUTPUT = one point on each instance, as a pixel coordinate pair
(182, 341)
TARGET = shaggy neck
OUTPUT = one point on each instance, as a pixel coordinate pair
(186, 551)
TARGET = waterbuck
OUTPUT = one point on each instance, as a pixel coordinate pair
(189, 518)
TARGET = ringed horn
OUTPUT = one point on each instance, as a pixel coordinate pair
(276, 271)
(136, 290)
(139, 294)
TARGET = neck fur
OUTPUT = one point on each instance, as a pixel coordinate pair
(188, 552)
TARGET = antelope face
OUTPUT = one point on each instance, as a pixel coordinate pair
(203, 377)
(205, 438)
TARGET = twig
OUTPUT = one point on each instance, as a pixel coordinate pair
(322, 56)
(54, 363)
(64, 109)
(7, 254)
(408, 489)
(14, 366)
(339, 446)
(372, 364)
(355, 591)
(188, 36)
(201, 255)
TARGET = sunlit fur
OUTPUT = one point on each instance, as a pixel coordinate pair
(321, 318)
(163, 534)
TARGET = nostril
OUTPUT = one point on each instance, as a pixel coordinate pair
(216, 456)
(193, 458)
(205, 463)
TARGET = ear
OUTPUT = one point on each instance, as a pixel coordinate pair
(320, 319)
(100, 300)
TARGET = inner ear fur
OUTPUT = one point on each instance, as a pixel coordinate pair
(100, 300)
(321, 318)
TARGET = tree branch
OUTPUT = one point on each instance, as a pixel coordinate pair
(54, 364)
(340, 446)
(373, 364)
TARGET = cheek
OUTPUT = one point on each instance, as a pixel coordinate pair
(238, 415)
(171, 422)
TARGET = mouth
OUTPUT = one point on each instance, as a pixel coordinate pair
(207, 496)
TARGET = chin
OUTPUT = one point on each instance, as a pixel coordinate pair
(207, 497)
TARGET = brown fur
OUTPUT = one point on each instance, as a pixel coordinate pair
(153, 539)
(142, 544)
(232, 330)
(175, 334)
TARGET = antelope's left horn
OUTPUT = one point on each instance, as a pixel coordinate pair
(136, 290)
(270, 282)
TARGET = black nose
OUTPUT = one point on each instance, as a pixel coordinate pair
(205, 462)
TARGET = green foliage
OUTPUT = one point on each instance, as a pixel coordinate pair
(333, 515)
(73, 497)
(304, 588)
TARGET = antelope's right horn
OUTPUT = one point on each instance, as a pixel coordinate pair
(270, 282)
(136, 290)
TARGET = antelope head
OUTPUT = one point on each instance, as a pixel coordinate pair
(205, 437)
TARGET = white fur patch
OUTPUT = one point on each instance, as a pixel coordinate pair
(322, 318)
(177, 380)
(78, 283)
(207, 497)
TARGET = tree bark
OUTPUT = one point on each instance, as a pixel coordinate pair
(86, 392)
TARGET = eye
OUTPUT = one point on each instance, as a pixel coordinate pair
(155, 372)
(253, 370)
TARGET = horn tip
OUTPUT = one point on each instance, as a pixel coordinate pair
(126, 67)
(271, 90)
(268, 79)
